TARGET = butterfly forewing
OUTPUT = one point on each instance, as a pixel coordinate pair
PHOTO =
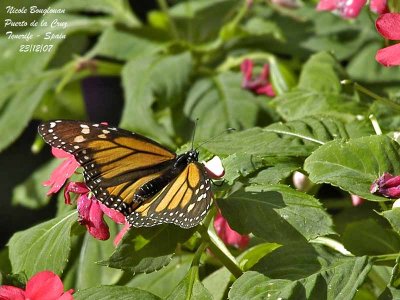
(117, 163)
(184, 201)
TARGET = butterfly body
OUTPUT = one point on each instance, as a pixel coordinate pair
(135, 175)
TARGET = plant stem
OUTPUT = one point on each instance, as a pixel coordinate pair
(164, 7)
(227, 260)
(371, 94)
(385, 257)
(375, 124)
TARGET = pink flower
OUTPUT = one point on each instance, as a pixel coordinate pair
(214, 168)
(91, 211)
(259, 85)
(350, 9)
(387, 185)
(62, 172)
(356, 200)
(43, 286)
(388, 25)
(227, 234)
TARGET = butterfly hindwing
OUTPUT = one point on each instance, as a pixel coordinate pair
(184, 201)
(116, 162)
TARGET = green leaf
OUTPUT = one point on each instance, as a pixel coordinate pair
(150, 78)
(124, 46)
(315, 103)
(393, 216)
(390, 293)
(147, 249)
(275, 174)
(163, 281)
(367, 237)
(32, 193)
(200, 21)
(217, 283)
(276, 214)
(251, 256)
(315, 272)
(253, 285)
(12, 122)
(363, 68)
(321, 73)
(120, 9)
(113, 292)
(321, 129)
(190, 288)
(220, 103)
(91, 252)
(353, 165)
(43, 247)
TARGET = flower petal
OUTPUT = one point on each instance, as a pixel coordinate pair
(91, 215)
(388, 25)
(74, 187)
(227, 234)
(67, 295)
(326, 5)
(44, 286)
(389, 56)
(8, 292)
(350, 8)
(121, 234)
(62, 172)
(247, 69)
(113, 214)
(379, 6)
(214, 168)
(267, 90)
(356, 200)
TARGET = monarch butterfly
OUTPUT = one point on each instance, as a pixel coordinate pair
(135, 175)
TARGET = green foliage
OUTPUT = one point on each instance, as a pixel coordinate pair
(181, 62)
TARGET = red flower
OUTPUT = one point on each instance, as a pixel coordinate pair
(388, 25)
(350, 9)
(387, 185)
(62, 172)
(261, 84)
(91, 211)
(227, 234)
(43, 286)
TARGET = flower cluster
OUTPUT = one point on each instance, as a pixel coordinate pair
(350, 9)
(388, 25)
(259, 85)
(43, 286)
(387, 185)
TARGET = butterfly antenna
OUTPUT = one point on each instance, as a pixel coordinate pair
(216, 136)
(194, 131)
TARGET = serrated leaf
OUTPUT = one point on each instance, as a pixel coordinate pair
(113, 292)
(321, 129)
(221, 103)
(393, 216)
(190, 288)
(150, 78)
(118, 8)
(147, 249)
(254, 285)
(217, 283)
(319, 274)
(275, 174)
(124, 46)
(32, 193)
(276, 214)
(315, 103)
(353, 165)
(163, 281)
(367, 237)
(43, 247)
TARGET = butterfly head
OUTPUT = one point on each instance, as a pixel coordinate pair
(192, 155)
